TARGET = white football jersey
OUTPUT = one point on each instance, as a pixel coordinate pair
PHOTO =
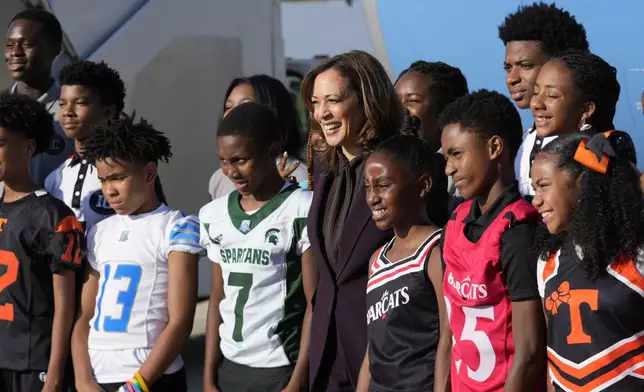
(261, 260)
(76, 183)
(131, 255)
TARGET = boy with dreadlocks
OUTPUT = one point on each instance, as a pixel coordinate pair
(532, 35)
(139, 295)
(40, 240)
(90, 95)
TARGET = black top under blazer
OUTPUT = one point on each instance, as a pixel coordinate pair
(341, 290)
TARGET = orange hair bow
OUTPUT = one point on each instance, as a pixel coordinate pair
(595, 153)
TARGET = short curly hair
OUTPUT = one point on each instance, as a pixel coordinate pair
(20, 113)
(253, 120)
(595, 81)
(555, 28)
(608, 219)
(129, 141)
(101, 79)
(447, 82)
(487, 113)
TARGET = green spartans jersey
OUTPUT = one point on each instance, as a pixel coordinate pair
(260, 258)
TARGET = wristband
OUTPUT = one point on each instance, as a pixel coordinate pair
(128, 387)
(135, 384)
(141, 381)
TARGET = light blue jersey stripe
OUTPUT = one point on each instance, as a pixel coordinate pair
(186, 233)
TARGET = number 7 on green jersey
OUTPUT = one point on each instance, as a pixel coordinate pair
(245, 281)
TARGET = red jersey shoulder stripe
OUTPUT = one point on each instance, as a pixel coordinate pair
(397, 270)
(376, 265)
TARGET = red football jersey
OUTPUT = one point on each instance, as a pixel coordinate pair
(478, 303)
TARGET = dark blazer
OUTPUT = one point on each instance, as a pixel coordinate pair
(341, 291)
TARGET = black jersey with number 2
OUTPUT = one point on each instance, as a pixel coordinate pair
(39, 237)
(402, 321)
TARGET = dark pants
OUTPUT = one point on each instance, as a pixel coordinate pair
(175, 382)
(233, 377)
(16, 381)
(333, 375)
(33, 380)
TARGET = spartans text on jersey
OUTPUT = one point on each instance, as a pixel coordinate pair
(245, 255)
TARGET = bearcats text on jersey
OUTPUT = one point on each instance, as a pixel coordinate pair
(387, 303)
(467, 289)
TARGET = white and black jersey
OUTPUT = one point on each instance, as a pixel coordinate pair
(402, 321)
(76, 183)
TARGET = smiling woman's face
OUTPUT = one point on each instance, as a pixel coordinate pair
(337, 108)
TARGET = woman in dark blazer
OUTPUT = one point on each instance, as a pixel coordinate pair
(353, 103)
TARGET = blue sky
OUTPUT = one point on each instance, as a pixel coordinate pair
(323, 27)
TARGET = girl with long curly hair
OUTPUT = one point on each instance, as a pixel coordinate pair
(591, 269)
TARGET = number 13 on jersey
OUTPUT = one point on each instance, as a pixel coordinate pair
(127, 277)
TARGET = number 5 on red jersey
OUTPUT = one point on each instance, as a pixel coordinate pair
(479, 338)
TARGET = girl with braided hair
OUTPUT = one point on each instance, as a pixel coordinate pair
(402, 332)
(314, 145)
(591, 270)
(425, 89)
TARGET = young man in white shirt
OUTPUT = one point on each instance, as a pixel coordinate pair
(140, 290)
(531, 36)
